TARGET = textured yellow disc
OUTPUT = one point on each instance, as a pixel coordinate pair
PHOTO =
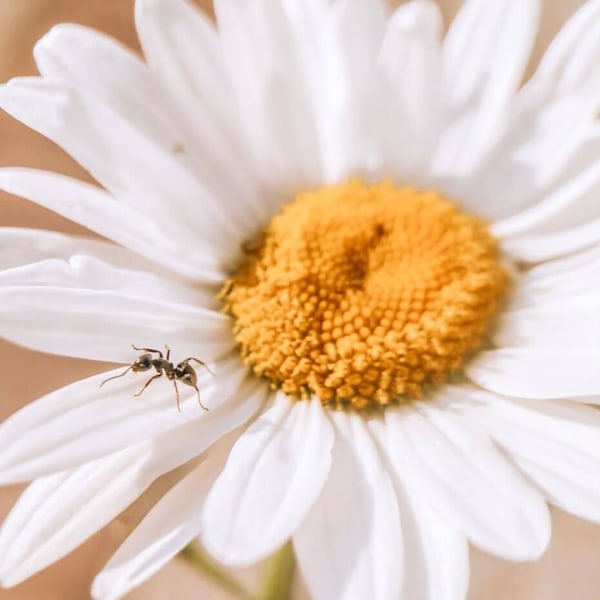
(362, 294)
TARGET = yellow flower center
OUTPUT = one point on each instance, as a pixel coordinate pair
(362, 294)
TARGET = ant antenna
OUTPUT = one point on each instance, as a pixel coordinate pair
(117, 376)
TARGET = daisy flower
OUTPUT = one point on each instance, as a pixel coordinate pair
(383, 245)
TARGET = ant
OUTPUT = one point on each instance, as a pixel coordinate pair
(183, 372)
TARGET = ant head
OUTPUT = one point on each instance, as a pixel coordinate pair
(143, 363)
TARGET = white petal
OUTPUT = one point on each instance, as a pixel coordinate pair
(350, 545)
(169, 526)
(183, 49)
(84, 421)
(355, 111)
(572, 322)
(570, 205)
(553, 114)
(273, 475)
(97, 210)
(538, 371)
(194, 437)
(80, 271)
(410, 55)
(118, 155)
(60, 511)
(186, 55)
(570, 62)
(555, 444)
(542, 137)
(437, 564)
(552, 276)
(436, 567)
(559, 280)
(484, 55)
(538, 248)
(102, 325)
(457, 471)
(265, 54)
(20, 246)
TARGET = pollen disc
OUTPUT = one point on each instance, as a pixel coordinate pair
(362, 294)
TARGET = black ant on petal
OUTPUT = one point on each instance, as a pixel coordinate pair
(183, 372)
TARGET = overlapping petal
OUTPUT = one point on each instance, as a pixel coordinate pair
(411, 57)
(273, 475)
(97, 210)
(354, 527)
(538, 372)
(555, 444)
(167, 528)
(447, 463)
(484, 57)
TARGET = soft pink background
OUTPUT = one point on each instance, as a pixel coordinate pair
(568, 570)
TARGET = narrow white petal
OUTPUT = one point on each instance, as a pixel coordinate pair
(559, 280)
(459, 473)
(97, 210)
(484, 56)
(410, 56)
(570, 62)
(541, 372)
(183, 49)
(437, 564)
(354, 109)
(569, 205)
(186, 55)
(169, 526)
(80, 271)
(546, 143)
(273, 475)
(102, 325)
(569, 322)
(84, 421)
(544, 137)
(275, 100)
(194, 437)
(552, 275)
(118, 155)
(354, 527)
(538, 248)
(556, 444)
(21, 246)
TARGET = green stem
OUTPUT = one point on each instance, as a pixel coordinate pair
(278, 575)
(208, 567)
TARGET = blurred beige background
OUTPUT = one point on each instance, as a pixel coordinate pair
(569, 570)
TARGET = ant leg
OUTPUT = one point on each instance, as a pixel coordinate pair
(200, 401)
(177, 395)
(148, 383)
(147, 350)
(200, 362)
(168, 351)
(117, 376)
